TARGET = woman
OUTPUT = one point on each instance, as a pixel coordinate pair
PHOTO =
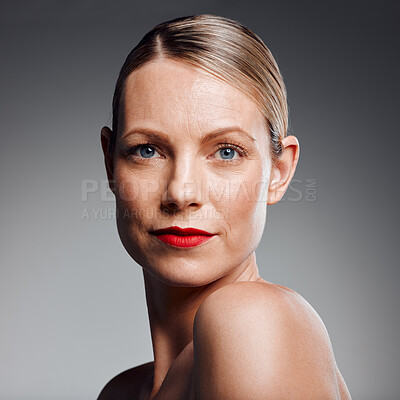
(197, 150)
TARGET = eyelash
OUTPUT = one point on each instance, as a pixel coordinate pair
(130, 152)
(231, 145)
(235, 146)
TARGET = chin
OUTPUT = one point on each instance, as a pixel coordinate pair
(183, 272)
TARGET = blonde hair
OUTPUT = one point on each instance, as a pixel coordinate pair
(224, 48)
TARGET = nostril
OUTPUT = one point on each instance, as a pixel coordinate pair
(181, 192)
(174, 205)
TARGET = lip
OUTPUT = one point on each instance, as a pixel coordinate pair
(182, 237)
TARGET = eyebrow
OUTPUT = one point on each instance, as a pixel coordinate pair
(204, 139)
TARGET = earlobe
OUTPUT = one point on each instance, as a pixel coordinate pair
(283, 170)
(106, 135)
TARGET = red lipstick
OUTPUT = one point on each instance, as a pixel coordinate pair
(178, 237)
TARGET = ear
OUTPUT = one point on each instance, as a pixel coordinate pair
(106, 135)
(282, 171)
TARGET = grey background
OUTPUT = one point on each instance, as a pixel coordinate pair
(72, 306)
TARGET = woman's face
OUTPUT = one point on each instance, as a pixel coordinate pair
(192, 151)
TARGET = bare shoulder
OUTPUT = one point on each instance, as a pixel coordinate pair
(254, 300)
(127, 384)
(268, 340)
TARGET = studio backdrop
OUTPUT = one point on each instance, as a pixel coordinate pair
(72, 306)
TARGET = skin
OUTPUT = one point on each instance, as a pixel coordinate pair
(218, 329)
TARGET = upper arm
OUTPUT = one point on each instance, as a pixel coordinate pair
(126, 385)
(115, 388)
(254, 341)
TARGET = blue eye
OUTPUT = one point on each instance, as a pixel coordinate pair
(146, 151)
(227, 153)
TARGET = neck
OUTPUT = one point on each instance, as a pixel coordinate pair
(172, 309)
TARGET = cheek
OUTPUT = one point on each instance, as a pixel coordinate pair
(137, 201)
(135, 190)
(137, 196)
(243, 204)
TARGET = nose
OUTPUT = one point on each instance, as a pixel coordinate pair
(183, 187)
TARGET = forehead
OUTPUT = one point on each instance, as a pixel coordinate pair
(177, 97)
